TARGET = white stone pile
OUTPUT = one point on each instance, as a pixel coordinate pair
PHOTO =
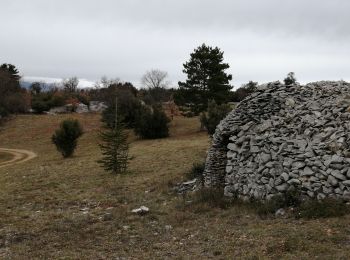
(285, 137)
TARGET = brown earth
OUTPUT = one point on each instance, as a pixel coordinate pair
(55, 208)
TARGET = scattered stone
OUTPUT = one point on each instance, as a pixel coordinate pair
(307, 172)
(298, 165)
(141, 210)
(290, 102)
(338, 175)
(58, 110)
(168, 227)
(280, 212)
(285, 176)
(347, 183)
(332, 181)
(97, 106)
(294, 182)
(81, 108)
(188, 186)
(107, 217)
(282, 187)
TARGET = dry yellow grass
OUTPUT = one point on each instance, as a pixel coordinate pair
(54, 208)
(4, 157)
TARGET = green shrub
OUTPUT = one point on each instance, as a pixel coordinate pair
(65, 138)
(57, 101)
(3, 112)
(213, 197)
(326, 208)
(83, 98)
(214, 115)
(196, 171)
(152, 123)
(128, 109)
(39, 105)
(307, 208)
(291, 198)
(45, 101)
(290, 79)
(244, 91)
(269, 207)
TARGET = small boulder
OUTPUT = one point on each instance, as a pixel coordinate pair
(141, 210)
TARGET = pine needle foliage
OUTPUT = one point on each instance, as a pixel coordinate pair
(65, 138)
(114, 148)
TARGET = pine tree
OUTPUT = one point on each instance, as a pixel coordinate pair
(13, 99)
(114, 148)
(206, 78)
(65, 138)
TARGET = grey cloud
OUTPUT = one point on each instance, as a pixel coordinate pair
(262, 39)
(287, 16)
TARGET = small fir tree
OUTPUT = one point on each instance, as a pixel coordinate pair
(65, 138)
(114, 147)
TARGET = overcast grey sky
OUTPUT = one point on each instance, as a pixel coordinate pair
(262, 39)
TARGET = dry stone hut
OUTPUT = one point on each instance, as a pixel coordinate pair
(284, 137)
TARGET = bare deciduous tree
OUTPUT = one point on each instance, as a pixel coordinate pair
(155, 79)
(106, 82)
(71, 84)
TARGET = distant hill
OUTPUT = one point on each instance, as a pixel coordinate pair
(27, 84)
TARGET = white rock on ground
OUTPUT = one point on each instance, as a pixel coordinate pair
(141, 210)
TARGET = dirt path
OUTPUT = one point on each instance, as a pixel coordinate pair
(19, 156)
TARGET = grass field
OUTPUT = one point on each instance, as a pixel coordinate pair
(54, 208)
(5, 157)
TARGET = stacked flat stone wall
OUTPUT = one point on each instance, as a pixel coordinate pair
(284, 137)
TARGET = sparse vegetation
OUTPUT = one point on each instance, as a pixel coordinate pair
(291, 198)
(196, 171)
(213, 197)
(313, 209)
(290, 79)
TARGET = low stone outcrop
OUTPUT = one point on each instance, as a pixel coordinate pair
(97, 106)
(284, 137)
(58, 110)
(81, 108)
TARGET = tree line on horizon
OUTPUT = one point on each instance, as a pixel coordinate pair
(207, 86)
(205, 92)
